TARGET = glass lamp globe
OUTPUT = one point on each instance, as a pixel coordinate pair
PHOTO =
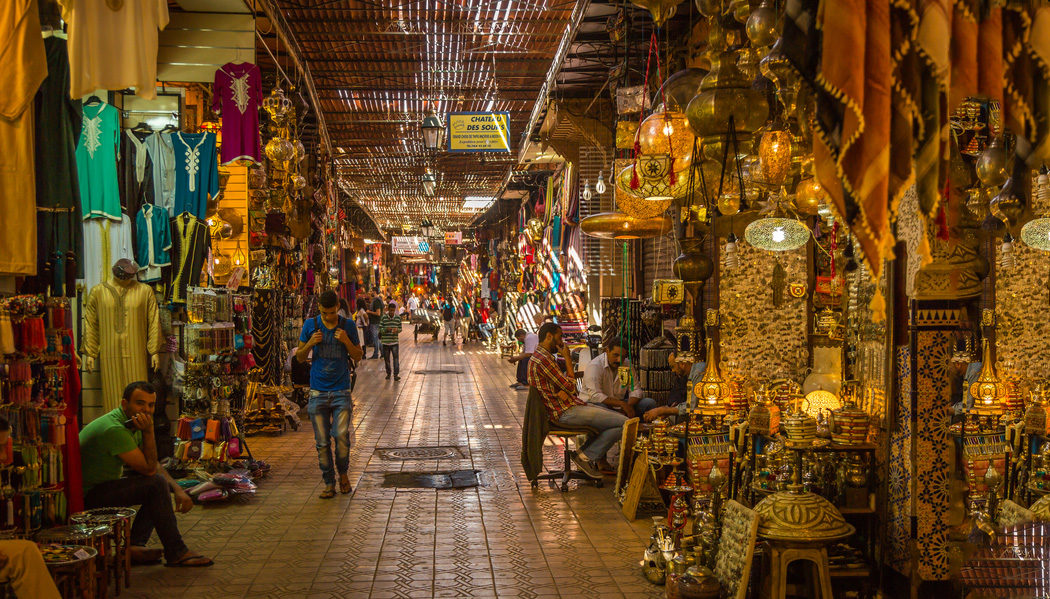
(587, 195)
(666, 132)
(279, 149)
(774, 155)
(600, 185)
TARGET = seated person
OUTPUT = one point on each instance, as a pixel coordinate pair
(687, 374)
(22, 567)
(557, 388)
(124, 437)
(601, 384)
(529, 342)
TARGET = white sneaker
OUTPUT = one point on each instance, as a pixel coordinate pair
(585, 465)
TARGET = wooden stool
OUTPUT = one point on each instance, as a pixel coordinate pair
(97, 536)
(781, 554)
(75, 578)
(120, 519)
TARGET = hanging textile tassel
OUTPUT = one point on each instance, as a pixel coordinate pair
(925, 254)
(878, 306)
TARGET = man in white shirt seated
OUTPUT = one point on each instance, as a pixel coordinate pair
(601, 386)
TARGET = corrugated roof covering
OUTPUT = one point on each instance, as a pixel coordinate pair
(378, 69)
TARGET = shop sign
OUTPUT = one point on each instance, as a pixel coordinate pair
(453, 237)
(479, 132)
(409, 246)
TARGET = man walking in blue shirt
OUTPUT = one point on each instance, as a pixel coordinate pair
(333, 341)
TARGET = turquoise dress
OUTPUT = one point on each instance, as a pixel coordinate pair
(97, 162)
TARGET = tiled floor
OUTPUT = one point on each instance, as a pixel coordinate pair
(502, 539)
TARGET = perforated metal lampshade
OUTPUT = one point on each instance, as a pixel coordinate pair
(777, 234)
(1036, 233)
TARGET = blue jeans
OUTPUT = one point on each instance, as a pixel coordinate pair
(644, 405)
(608, 423)
(391, 352)
(373, 330)
(330, 412)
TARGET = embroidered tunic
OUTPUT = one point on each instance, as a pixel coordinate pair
(122, 330)
(196, 172)
(153, 246)
(57, 191)
(136, 174)
(189, 237)
(105, 242)
(237, 95)
(23, 65)
(97, 162)
(162, 155)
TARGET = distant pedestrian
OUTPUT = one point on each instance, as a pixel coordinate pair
(390, 329)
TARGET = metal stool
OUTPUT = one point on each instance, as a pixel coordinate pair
(567, 473)
(75, 578)
(120, 519)
(97, 536)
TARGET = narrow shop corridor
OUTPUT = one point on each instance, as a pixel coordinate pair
(499, 539)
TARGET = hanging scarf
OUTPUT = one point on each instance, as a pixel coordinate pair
(851, 148)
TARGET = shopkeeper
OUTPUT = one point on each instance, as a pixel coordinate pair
(602, 386)
(125, 437)
(687, 372)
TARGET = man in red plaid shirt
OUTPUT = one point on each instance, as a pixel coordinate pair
(557, 387)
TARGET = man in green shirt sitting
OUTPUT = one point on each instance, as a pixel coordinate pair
(390, 328)
(124, 438)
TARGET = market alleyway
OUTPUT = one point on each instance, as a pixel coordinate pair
(501, 539)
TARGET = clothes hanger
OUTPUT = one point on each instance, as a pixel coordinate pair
(142, 126)
(93, 99)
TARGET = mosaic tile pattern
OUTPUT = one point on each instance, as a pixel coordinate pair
(502, 539)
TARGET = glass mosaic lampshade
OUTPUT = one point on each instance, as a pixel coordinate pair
(1036, 233)
(777, 234)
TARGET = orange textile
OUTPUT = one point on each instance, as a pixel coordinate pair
(23, 67)
(856, 69)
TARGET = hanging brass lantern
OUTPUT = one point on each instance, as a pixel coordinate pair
(535, 229)
(725, 96)
(654, 179)
(762, 25)
(277, 104)
(993, 164)
(634, 205)
(774, 154)
(809, 195)
(279, 149)
(616, 225)
(660, 10)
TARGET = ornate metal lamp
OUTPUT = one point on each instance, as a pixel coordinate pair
(777, 233)
(432, 130)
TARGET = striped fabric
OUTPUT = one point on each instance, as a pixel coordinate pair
(389, 329)
(550, 381)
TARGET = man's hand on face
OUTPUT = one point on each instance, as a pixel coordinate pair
(143, 422)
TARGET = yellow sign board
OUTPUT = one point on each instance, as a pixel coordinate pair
(479, 132)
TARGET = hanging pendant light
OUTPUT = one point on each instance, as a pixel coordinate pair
(429, 183)
(432, 130)
(777, 233)
(1006, 257)
(600, 185)
(660, 10)
(587, 195)
(616, 225)
(732, 259)
(774, 154)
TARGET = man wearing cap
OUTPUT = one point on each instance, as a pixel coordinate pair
(122, 332)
